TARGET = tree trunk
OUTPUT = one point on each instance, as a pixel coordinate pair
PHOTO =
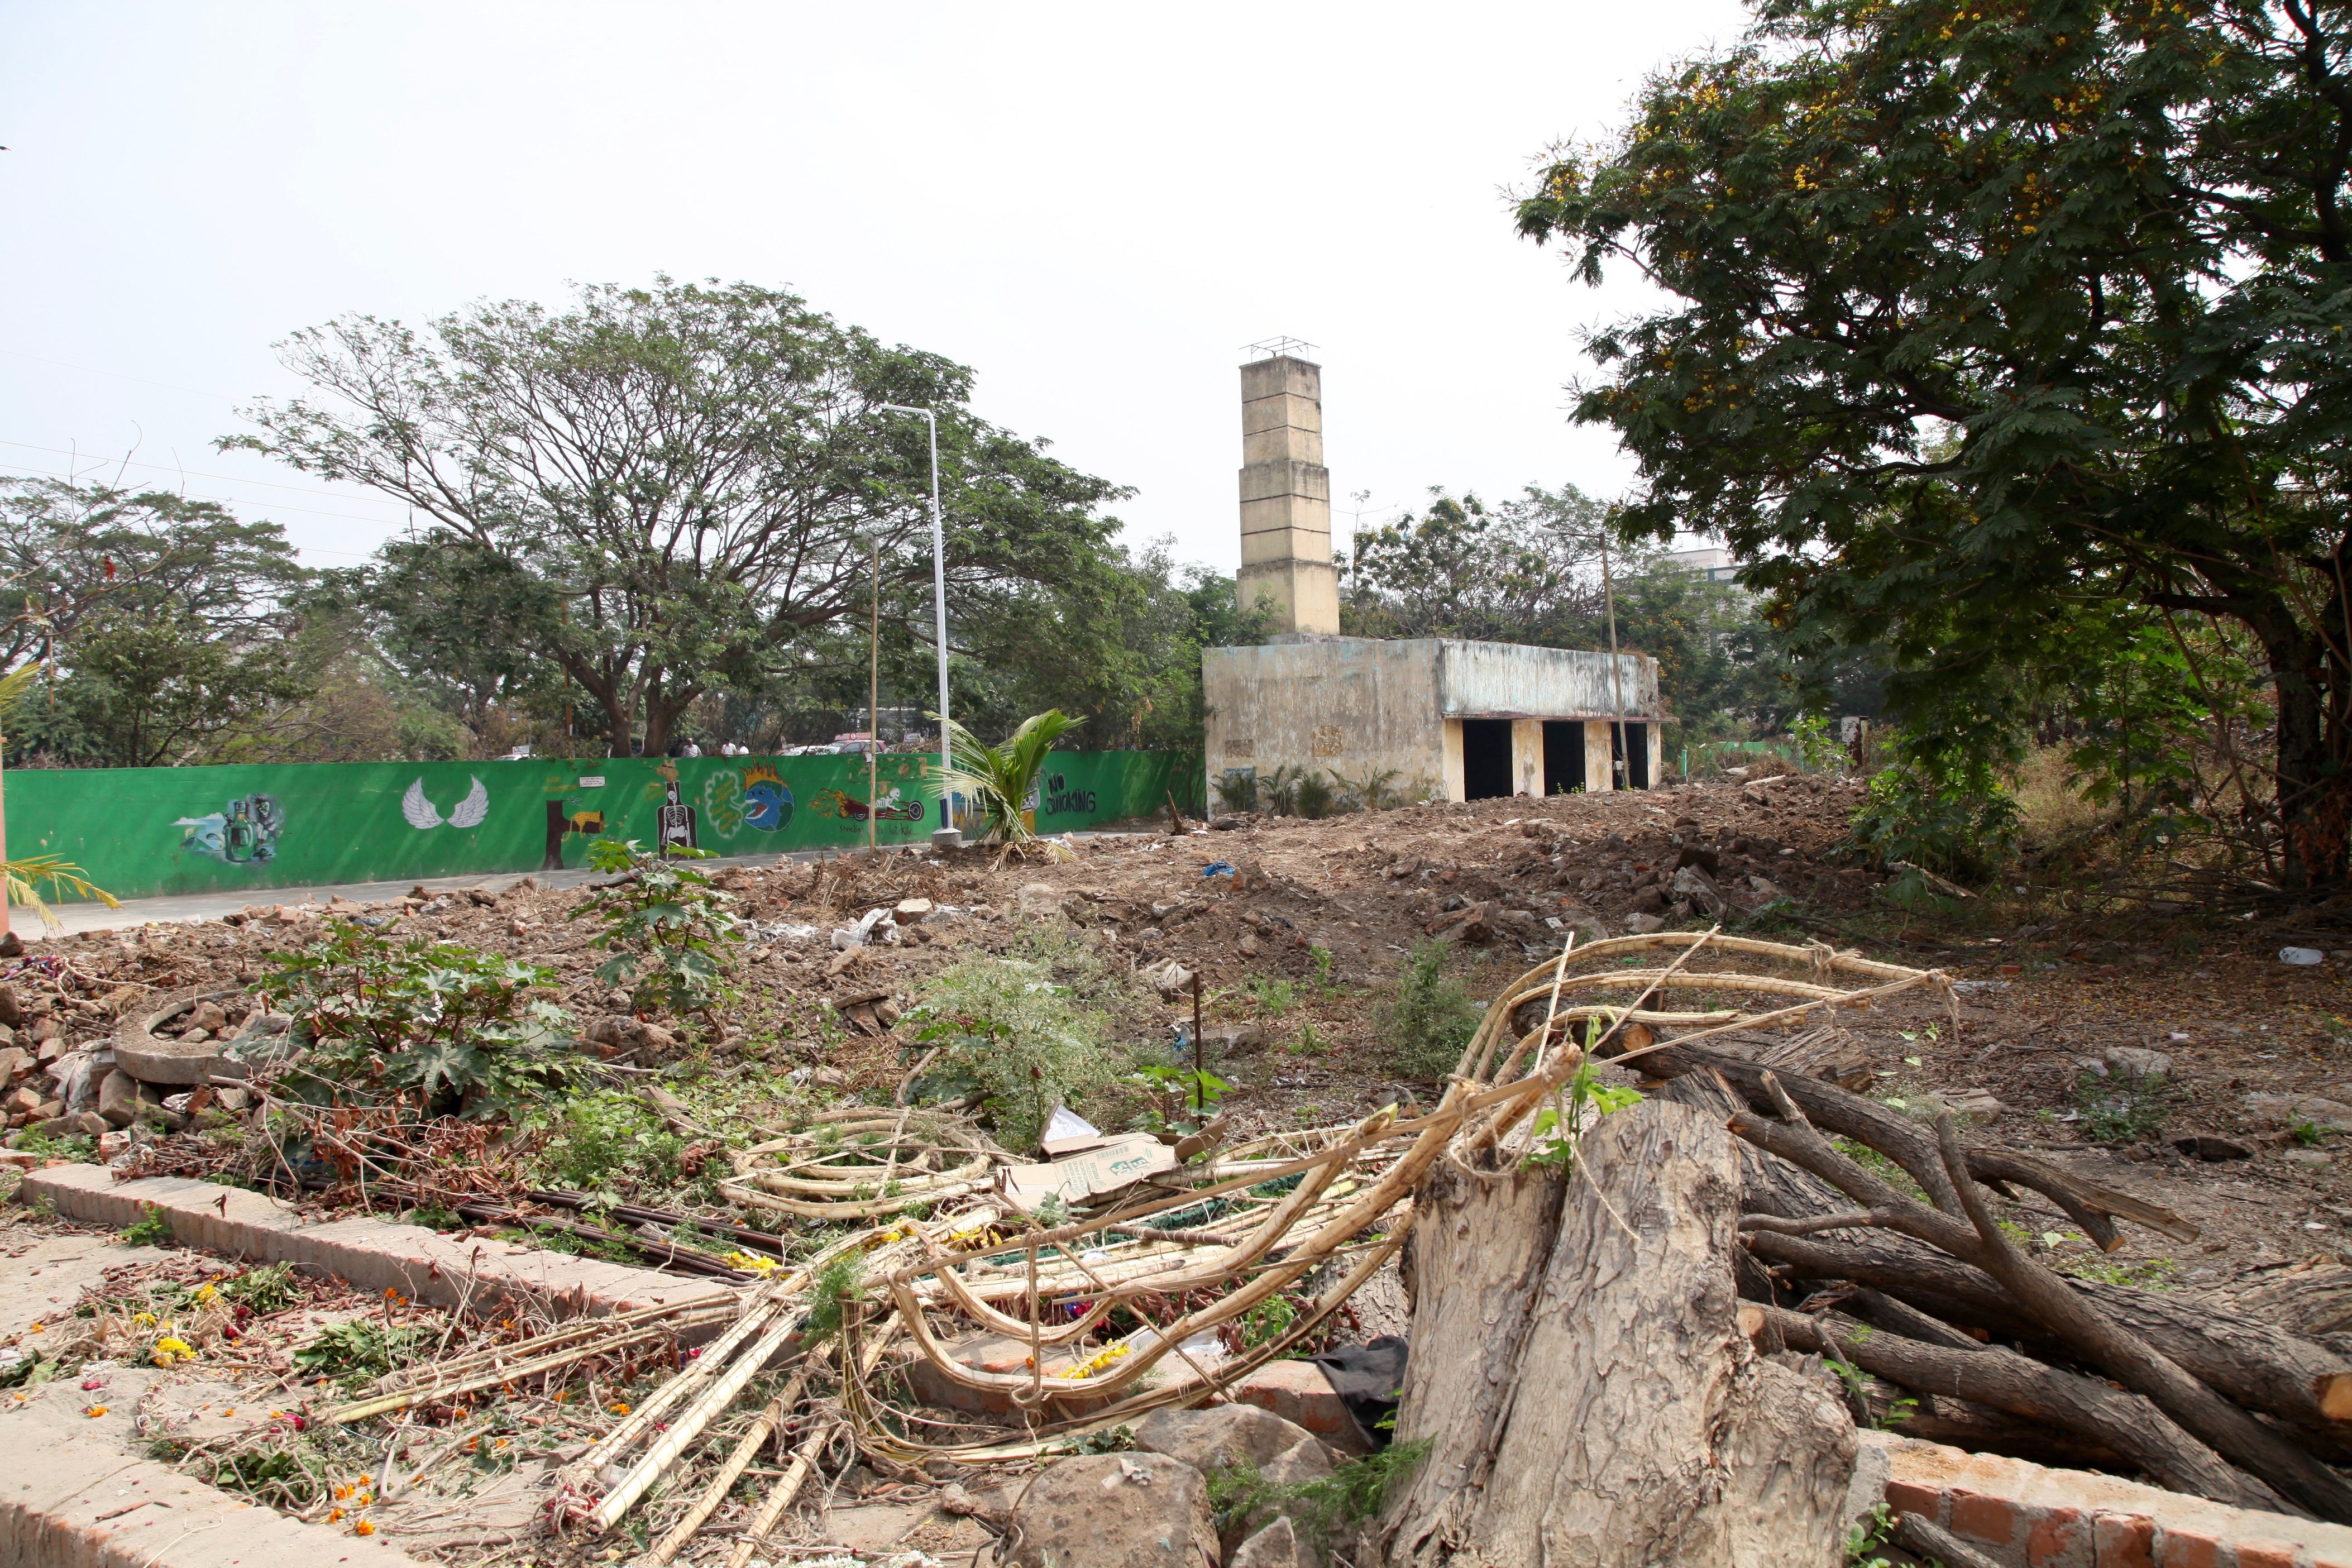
(2311, 790)
(1579, 1372)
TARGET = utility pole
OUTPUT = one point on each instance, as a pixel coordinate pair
(1618, 762)
(873, 699)
(946, 835)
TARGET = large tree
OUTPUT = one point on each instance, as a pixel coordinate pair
(1985, 315)
(161, 623)
(680, 483)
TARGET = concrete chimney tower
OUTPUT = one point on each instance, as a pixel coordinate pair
(1287, 492)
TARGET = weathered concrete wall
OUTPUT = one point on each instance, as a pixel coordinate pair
(1359, 706)
(1353, 706)
(1510, 680)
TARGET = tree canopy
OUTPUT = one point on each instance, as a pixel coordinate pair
(1527, 570)
(674, 490)
(1992, 327)
(161, 622)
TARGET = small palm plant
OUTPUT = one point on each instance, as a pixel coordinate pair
(997, 780)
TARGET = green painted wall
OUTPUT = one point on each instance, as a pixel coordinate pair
(141, 832)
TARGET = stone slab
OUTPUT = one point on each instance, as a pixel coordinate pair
(374, 1255)
(71, 1502)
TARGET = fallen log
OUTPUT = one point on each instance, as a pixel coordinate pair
(1980, 1430)
(2090, 1205)
(1931, 1543)
(2069, 1318)
(2258, 1365)
(2004, 1380)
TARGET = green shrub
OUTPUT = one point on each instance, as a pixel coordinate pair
(1273, 993)
(1178, 1100)
(1011, 1035)
(1279, 790)
(1353, 1492)
(609, 1143)
(78, 1147)
(357, 1350)
(1316, 798)
(151, 1229)
(432, 1025)
(264, 1291)
(1238, 790)
(1376, 791)
(840, 1285)
(670, 932)
(1431, 1018)
(2120, 1107)
(1951, 825)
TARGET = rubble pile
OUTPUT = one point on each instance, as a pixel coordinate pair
(1806, 1189)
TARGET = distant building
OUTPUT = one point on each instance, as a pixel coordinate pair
(1436, 716)
(1712, 563)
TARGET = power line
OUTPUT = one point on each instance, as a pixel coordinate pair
(199, 473)
(303, 511)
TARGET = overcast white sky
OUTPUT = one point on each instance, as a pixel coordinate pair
(1094, 206)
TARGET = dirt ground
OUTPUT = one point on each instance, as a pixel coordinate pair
(1299, 930)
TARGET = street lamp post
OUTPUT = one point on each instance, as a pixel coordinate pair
(946, 835)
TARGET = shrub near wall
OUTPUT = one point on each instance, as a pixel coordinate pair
(141, 832)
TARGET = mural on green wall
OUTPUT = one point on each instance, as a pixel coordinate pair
(245, 829)
(141, 832)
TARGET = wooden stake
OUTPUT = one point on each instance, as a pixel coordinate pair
(1200, 1101)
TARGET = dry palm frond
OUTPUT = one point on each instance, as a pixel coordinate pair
(25, 876)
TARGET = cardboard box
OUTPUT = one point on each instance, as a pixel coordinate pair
(1111, 1165)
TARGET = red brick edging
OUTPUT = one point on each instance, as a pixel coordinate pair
(2028, 1515)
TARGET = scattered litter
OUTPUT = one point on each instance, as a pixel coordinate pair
(1102, 1168)
(1218, 868)
(2302, 955)
(1067, 1132)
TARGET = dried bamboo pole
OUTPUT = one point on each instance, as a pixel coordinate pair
(449, 1388)
(639, 1421)
(788, 1485)
(748, 1450)
(683, 1433)
(877, 1438)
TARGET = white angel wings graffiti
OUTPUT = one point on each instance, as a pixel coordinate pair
(423, 813)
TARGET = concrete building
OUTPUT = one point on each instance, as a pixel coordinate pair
(1711, 561)
(1455, 719)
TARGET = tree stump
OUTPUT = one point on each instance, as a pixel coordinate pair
(1579, 1371)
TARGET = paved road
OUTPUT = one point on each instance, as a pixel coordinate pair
(81, 917)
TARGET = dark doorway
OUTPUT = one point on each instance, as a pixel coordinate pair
(1628, 748)
(1486, 758)
(1563, 755)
